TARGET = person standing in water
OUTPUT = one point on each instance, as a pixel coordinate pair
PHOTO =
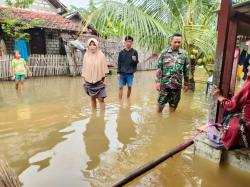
(127, 64)
(94, 71)
(20, 70)
(172, 67)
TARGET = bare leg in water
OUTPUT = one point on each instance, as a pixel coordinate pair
(160, 109)
(17, 84)
(102, 104)
(120, 92)
(21, 83)
(93, 103)
(171, 109)
(129, 91)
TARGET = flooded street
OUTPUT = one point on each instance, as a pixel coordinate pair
(51, 139)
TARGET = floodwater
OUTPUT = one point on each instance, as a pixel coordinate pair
(51, 139)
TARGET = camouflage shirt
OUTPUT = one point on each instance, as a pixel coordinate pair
(172, 66)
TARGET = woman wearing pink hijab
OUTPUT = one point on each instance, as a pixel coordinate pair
(94, 71)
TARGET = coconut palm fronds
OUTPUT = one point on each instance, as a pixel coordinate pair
(8, 177)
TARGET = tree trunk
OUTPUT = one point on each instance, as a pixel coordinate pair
(191, 85)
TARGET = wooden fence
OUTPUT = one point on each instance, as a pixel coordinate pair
(48, 65)
(147, 64)
(5, 67)
(39, 65)
(74, 59)
(55, 65)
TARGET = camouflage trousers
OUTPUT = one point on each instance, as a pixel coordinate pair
(170, 96)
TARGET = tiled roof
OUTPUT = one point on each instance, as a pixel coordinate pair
(48, 20)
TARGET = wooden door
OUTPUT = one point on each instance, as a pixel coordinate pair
(37, 41)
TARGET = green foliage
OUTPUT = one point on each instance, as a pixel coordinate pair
(13, 26)
(92, 6)
(19, 3)
(16, 28)
(110, 28)
(153, 21)
(74, 9)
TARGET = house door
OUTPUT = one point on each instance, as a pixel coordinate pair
(37, 41)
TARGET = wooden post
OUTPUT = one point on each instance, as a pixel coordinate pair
(234, 71)
(70, 60)
(223, 27)
(227, 65)
(147, 167)
(73, 52)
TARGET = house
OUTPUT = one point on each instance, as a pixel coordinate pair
(45, 38)
(233, 24)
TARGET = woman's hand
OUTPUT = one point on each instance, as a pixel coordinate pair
(83, 81)
(215, 91)
(104, 82)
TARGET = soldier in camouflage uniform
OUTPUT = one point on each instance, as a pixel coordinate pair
(172, 67)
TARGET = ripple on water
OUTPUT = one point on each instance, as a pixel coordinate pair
(52, 138)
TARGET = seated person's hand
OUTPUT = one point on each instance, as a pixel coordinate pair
(30, 74)
(13, 77)
(215, 91)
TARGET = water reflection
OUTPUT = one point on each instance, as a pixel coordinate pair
(125, 124)
(49, 144)
(64, 162)
(95, 140)
(23, 112)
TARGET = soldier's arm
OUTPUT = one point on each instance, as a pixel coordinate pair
(186, 71)
(159, 70)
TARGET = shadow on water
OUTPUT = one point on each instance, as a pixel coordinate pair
(95, 140)
(51, 139)
(66, 161)
(125, 124)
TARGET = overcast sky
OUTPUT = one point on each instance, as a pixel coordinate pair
(78, 3)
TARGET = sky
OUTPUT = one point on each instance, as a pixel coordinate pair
(77, 3)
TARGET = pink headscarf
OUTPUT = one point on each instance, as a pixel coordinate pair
(94, 64)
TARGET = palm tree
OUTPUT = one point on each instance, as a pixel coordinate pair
(153, 21)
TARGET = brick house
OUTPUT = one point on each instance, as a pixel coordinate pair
(46, 37)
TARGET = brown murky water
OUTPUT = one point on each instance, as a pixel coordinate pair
(49, 136)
